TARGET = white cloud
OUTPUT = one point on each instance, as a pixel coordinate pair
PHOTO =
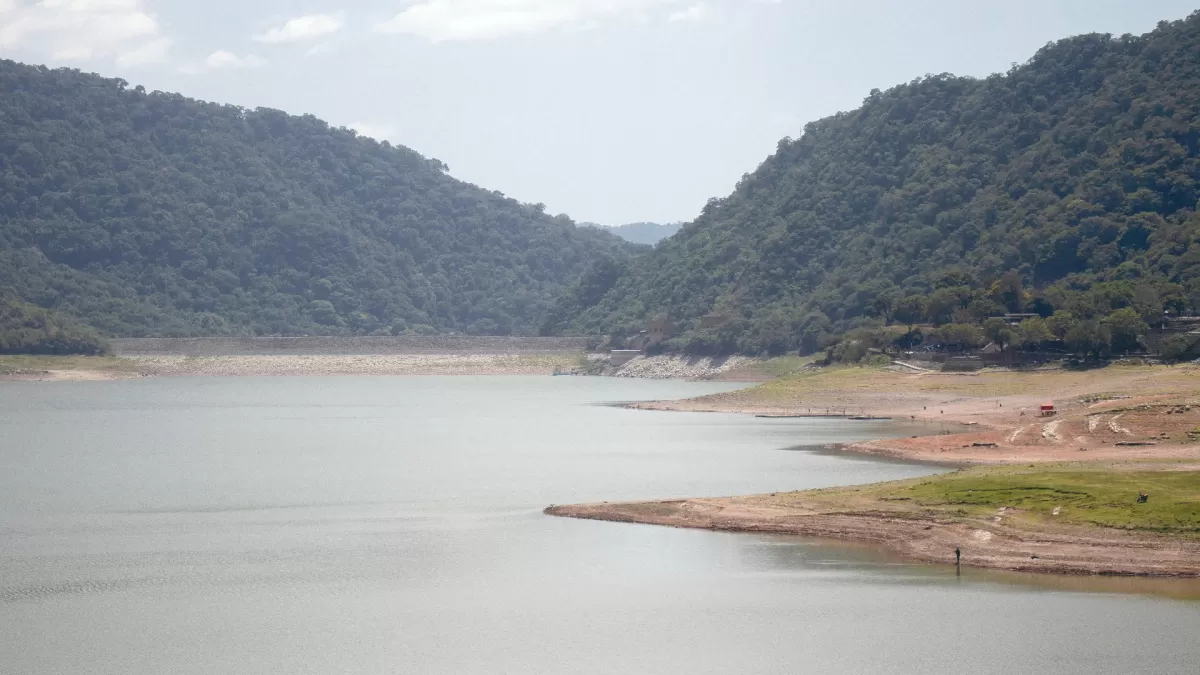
(154, 51)
(222, 60)
(326, 47)
(442, 20)
(380, 132)
(82, 30)
(697, 12)
(302, 28)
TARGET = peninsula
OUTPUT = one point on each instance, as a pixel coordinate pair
(1109, 484)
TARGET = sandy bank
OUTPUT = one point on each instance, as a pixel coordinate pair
(1144, 421)
(30, 368)
(929, 538)
(67, 376)
(1113, 413)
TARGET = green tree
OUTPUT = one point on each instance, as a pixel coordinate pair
(1127, 330)
(1181, 348)
(1009, 292)
(961, 336)
(884, 304)
(1035, 332)
(999, 332)
(942, 303)
(1089, 338)
(910, 310)
(1060, 323)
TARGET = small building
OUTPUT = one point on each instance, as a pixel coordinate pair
(637, 342)
(1016, 318)
(657, 330)
(660, 325)
(1048, 410)
(619, 357)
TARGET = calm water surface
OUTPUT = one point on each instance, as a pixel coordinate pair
(393, 525)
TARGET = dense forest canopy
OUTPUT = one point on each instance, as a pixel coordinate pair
(28, 329)
(1067, 185)
(153, 214)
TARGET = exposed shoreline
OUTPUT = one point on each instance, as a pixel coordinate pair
(1148, 423)
(277, 357)
(290, 365)
(277, 365)
(926, 539)
(1100, 415)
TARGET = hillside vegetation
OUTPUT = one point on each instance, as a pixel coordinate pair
(153, 214)
(1066, 187)
(27, 329)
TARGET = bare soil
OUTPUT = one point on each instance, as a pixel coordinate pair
(1140, 412)
(1137, 414)
(919, 536)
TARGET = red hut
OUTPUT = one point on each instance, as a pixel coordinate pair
(1048, 410)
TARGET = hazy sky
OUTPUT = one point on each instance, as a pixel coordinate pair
(608, 110)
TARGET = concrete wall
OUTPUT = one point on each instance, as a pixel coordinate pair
(619, 357)
(344, 345)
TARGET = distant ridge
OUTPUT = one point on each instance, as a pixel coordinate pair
(151, 214)
(1067, 185)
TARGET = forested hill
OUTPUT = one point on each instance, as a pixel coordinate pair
(153, 214)
(27, 329)
(1068, 184)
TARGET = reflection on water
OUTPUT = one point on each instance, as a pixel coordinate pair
(876, 564)
(320, 525)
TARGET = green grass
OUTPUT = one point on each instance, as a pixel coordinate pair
(782, 366)
(35, 364)
(1103, 495)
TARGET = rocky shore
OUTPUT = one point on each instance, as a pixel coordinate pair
(403, 355)
(664, 366)
(359, 364)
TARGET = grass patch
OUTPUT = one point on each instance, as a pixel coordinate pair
(779, 366)
(808, 384)
(39, 364)
(1083, 494)
(802, 385)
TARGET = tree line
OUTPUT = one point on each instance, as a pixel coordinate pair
(1066, 187)
(150, 214)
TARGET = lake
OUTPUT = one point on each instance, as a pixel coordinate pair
(394, 525)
